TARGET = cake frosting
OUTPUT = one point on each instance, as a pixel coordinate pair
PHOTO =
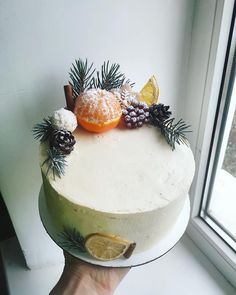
(128, 183)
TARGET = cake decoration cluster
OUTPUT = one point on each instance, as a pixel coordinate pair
(99, 101)
(102, 246)
(56, 133)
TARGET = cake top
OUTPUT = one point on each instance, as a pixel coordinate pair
(100, 103)
(123, 172)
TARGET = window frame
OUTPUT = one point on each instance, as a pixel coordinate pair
(223, 121)
(201, 109)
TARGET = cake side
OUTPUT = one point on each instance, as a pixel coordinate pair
(140, 204)
(145, 229)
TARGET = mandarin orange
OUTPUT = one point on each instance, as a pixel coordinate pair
(97, 110)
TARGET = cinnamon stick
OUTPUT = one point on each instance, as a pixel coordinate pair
(130, 250)
(69, 98)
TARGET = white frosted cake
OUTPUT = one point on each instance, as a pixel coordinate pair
(118, 191)
(130, 184)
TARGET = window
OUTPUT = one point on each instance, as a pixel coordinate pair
(210, 107)
(219, 201)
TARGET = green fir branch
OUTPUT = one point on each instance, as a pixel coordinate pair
(175, 132)
(82, 79)
(42, 131)
(55, 162)
(81, 75)
(72, 239)
(109, 77)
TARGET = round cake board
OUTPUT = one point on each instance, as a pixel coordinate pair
(136, 259)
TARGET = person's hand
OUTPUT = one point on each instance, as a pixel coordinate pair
(82, 278)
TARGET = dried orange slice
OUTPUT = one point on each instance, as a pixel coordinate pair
(150, 92)
(105, 246)
(97, 110)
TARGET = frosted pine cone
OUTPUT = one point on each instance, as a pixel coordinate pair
(136, 114)
(63, 141)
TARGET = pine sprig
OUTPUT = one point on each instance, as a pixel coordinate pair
(175, 132)
(81, 75)
(109, 77)
(55, 162)
(72, 239)
(43, 131)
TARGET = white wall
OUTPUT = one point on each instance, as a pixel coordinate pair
(39, 40)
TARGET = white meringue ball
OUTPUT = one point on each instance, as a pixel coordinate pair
(64, 119)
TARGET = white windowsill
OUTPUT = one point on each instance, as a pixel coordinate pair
(184, 270)
(225, 189)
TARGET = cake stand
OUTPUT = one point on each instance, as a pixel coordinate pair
(136, 259)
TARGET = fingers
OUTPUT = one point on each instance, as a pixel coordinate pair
(71, 260)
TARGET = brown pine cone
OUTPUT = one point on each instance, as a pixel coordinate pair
(63, 141)
(159, 113)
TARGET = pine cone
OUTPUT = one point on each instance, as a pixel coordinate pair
(136, 114)
(159, 113)
(63, 141)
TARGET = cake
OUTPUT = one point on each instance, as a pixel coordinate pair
(120, 191)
